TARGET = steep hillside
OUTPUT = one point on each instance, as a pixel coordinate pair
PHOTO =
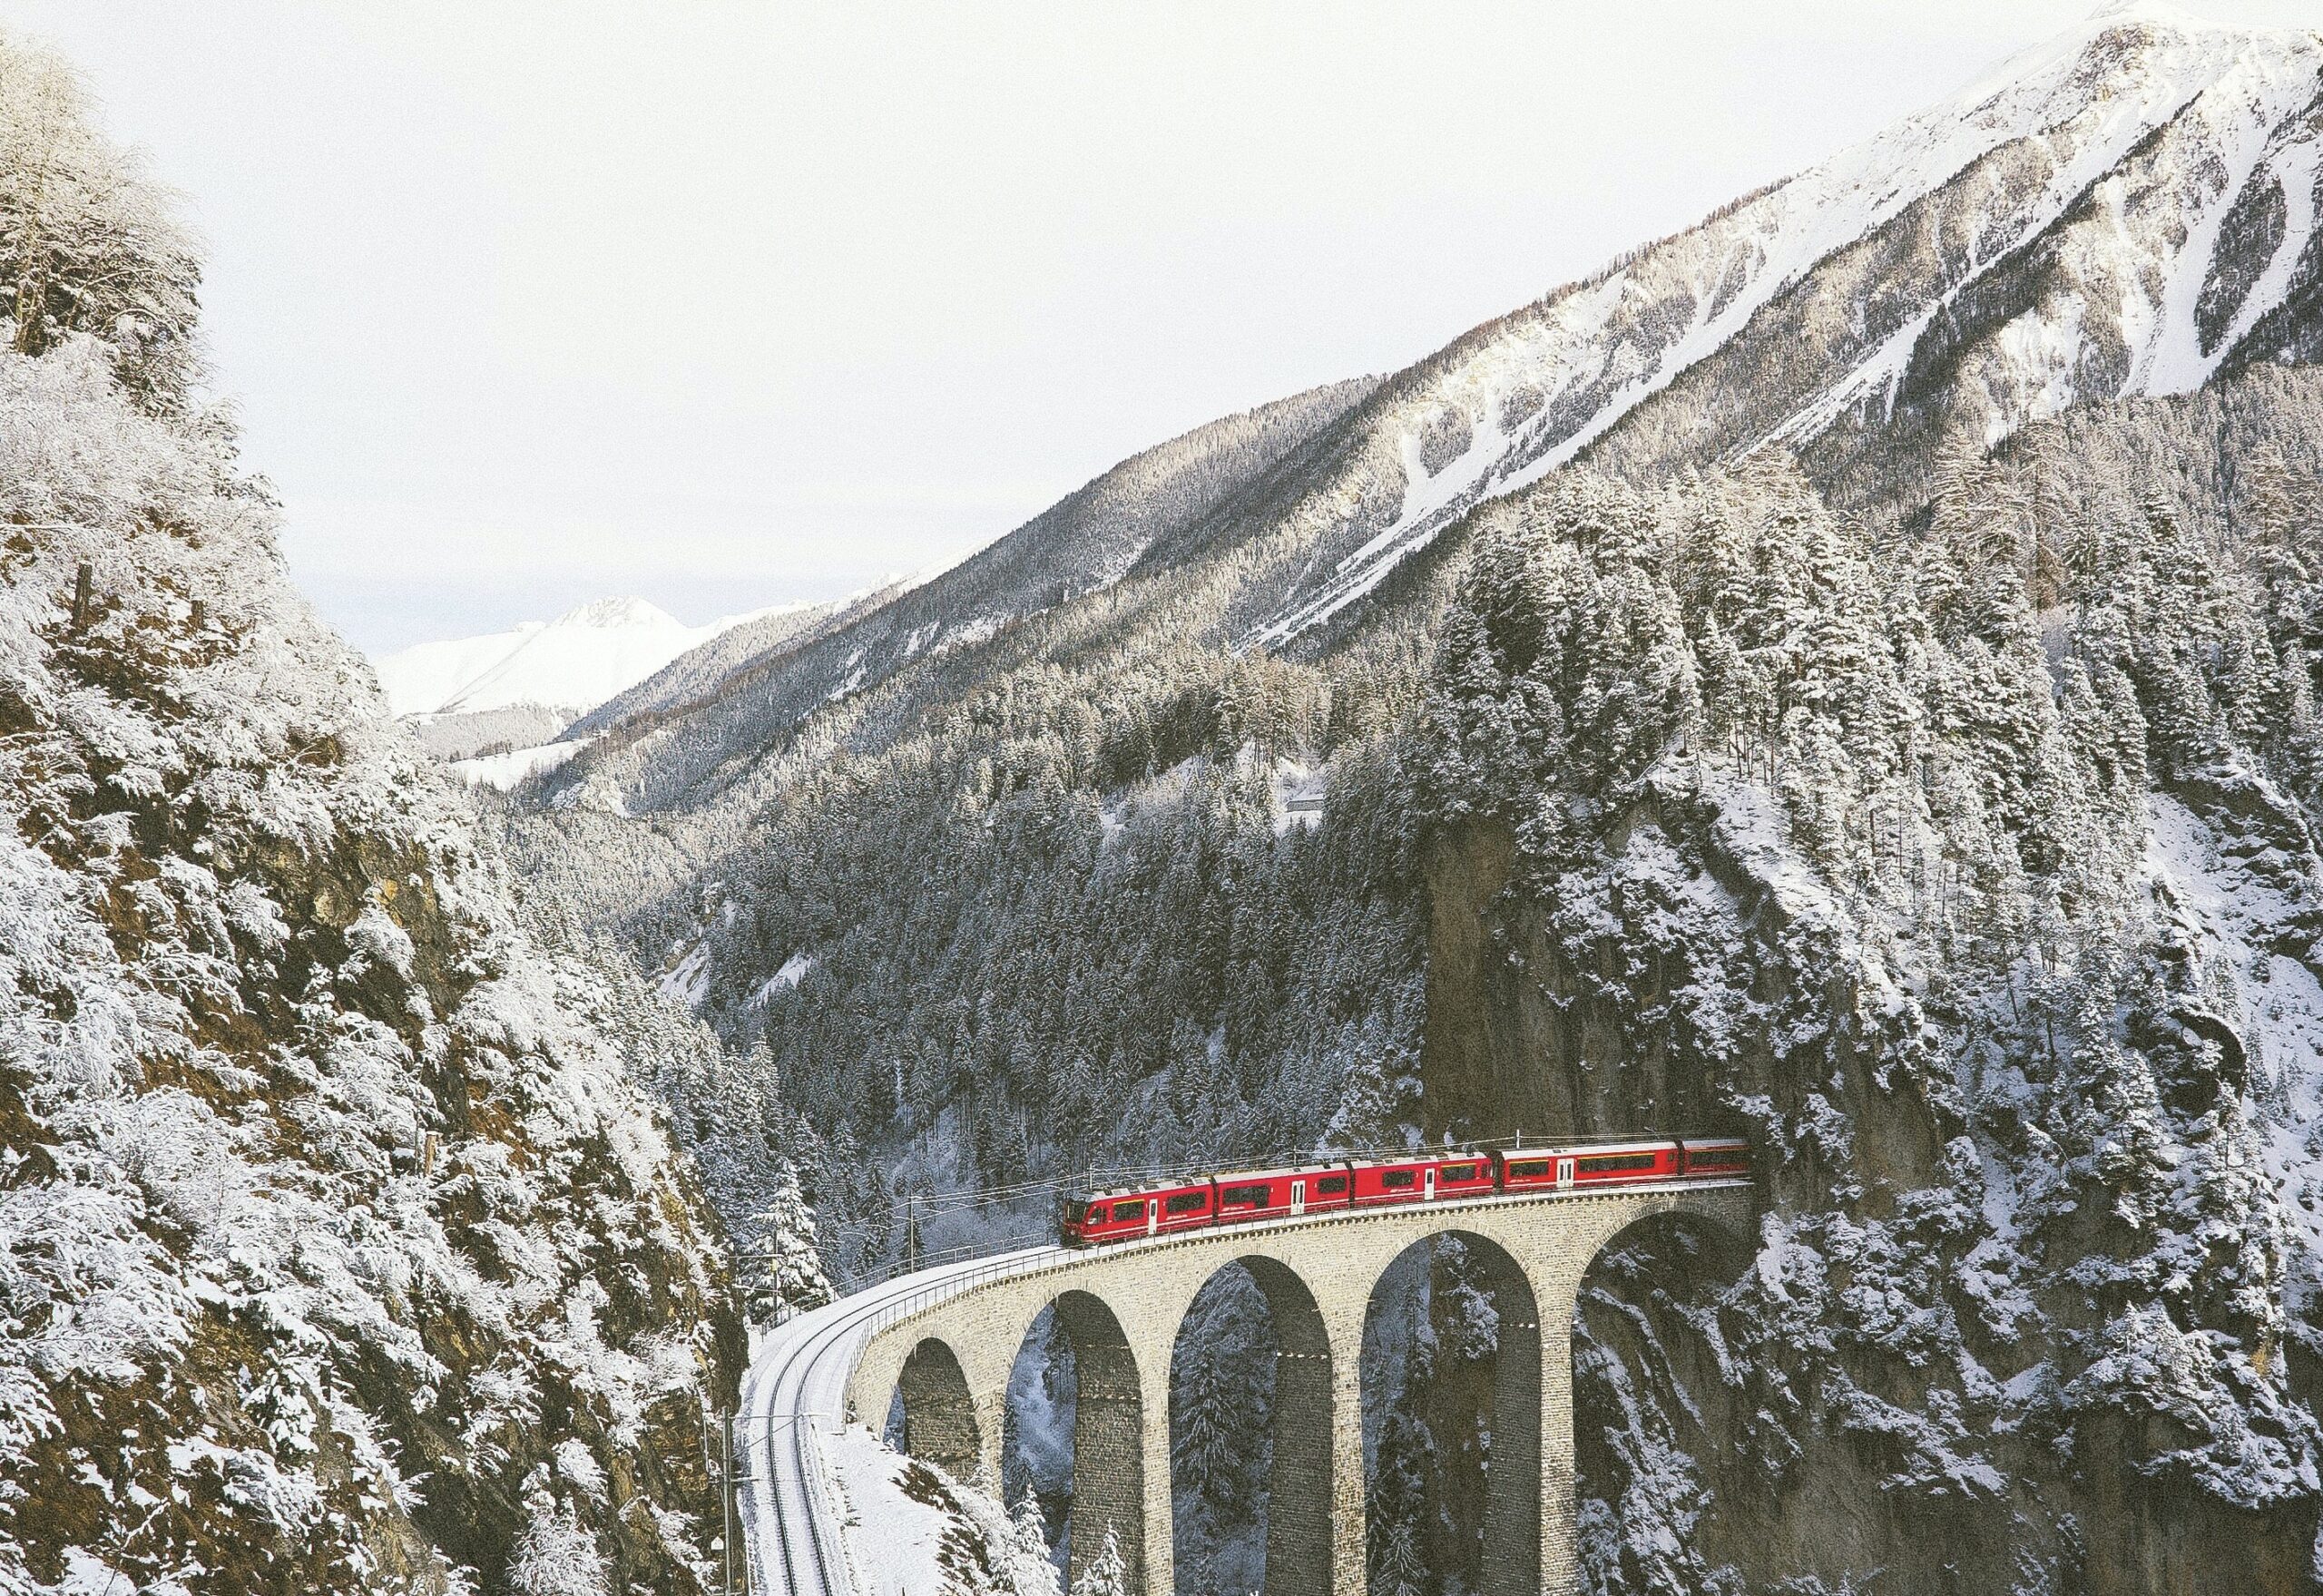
(338, 1250)
(694, 675)
(1082, 545)
(1976, 879)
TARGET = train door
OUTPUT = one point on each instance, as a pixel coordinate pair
(1152, 1216)
(1564, 1174)
(1427, 1187)
(1298, 1197)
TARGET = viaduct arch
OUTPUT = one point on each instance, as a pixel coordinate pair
(1122, 1307)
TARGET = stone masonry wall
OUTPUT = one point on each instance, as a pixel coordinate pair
(1122, 1307)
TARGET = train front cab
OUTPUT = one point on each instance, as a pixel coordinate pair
(1123, 1216)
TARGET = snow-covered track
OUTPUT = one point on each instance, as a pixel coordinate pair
(797, 1390)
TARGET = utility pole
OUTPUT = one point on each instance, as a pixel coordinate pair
(911, 1231)
(726, 1495)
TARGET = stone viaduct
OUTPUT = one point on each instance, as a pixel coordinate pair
(1122, 1307)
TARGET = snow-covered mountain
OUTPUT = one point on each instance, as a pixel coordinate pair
(2125, 209)
(569, 665)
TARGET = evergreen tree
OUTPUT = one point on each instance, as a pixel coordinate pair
(1204, 1457)
(783, 1272)
(1107, 1573)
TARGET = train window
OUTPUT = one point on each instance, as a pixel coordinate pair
(1724, 1158)
(1330, 1186)
(1096, 1214)
(1456, 1172)
(1519, 1169)
(1185, 1202)
(1605, 1163)
(1399, 1180)
(1242, 1196)
(1129, 1210)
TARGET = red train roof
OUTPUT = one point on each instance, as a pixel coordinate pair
(1277, 1173)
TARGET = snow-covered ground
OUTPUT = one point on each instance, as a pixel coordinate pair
(825, 1513)
(505, 771)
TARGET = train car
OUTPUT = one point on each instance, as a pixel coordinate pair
(1728, 1156)
(1275, 1194)
(1466, 1175)
(1121, 1215)
(1565, 1168)
(1640, 1161)
(1430, 1179)
(1249, 1196)
(1525, 1169)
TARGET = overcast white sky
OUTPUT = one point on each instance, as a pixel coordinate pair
(723, 304)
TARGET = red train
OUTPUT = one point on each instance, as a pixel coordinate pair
(1091, 1219)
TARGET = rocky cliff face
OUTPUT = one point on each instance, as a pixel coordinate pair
(337, 1250)
(1989, 909)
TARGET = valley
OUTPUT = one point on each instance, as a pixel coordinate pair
(1840, 680)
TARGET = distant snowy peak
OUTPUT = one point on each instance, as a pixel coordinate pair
(2127, 208)
(569, 665)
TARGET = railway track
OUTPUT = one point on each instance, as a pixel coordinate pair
(796, 1388)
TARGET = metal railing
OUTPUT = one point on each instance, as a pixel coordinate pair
(951, 1285)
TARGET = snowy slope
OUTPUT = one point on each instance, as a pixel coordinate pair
(571, 664)
(708, 719)
(2123, 210)
(421, 679)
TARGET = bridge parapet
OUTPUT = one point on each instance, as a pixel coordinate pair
(1122, 1307)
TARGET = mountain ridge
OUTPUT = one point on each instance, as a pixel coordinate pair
(572, 664)
(1935, 279)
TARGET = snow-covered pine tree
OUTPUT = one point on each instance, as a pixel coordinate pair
(1396, 1506)
(1107, 1573)
(91, 244)
(1029, 1569)
(1400, 1570)
(1204, 1457)
(784, 1264)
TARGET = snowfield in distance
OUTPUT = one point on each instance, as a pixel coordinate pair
(569, 665)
